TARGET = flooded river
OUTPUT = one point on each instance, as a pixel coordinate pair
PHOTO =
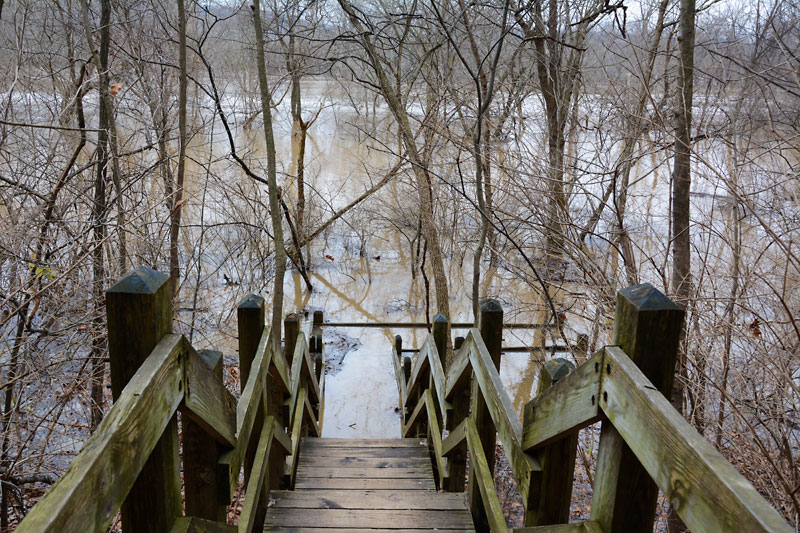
(360, 268)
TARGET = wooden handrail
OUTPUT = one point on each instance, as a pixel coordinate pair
(428, 357)
(207, 402)
(707, 492)
(111, 459)
(254, 485)
(485, 479)
(175, 376)
(570, 405)
(703, 487)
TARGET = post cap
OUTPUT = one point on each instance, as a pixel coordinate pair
(491, 305)
(141, 280)
(645, 297)
(251, 301)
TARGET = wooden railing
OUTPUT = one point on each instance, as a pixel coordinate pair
(645, 444)
(131, 462)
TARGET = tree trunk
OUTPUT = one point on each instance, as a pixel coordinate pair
(681, 174)
(99, 204)
(392, 96)
(272, 185)
(176, 209)
(681, 183)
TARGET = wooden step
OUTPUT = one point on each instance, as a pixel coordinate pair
(360, 485)
(367, 499)
(578, 527)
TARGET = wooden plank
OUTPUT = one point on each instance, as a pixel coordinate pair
(426, 325)
(311, 417)
(368, 499)
(200, 453)
(365, 518)
(441, 336)
(460, 369)
(564, 408)
(503, 416)
(648, 327)
(366, 484)
(282, 440)
(455, 446)
(303, 369)
(207, 401)
(296, 425)
(497, 400)
(706, 491)
(281, 443)
(296, 375)
(365, 443)
(365, 453)
(88, 495)
(436, 438)
(193, 524)
(308, 369)
(578, 527)
(252, 398)
(281, 368)
(417, 416)
(308, 472)
(308, 460)
(550, 493)
(483, 478)
(255, 485)
(250, 404)
(455, 438)
(359, 530)
(437, 373)
(418, 372)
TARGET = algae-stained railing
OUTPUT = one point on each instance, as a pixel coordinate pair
(645, 444)
(131, 462)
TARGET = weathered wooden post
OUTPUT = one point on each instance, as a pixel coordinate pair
(139, 313)
(491, 328)
(275, 393)
(398, 347)
(647, 327)
(406, 369)
(318, 318)
(250, 315)
(457, 461)
(423, 381)
(458, 343)
(441, 328)
(549, 502)
(291, 327)
(316, 345)
(200, 455)
(582, 347)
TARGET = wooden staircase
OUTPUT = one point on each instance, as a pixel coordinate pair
(388, 485)
(360, 485)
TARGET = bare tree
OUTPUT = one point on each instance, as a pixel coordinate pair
(274, 202)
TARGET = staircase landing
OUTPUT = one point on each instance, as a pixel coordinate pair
(366, 485)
